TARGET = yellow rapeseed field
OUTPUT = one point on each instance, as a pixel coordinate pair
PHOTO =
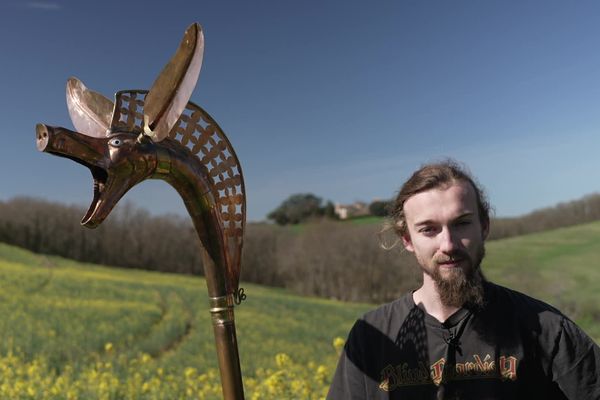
(74, 331)
(139, 378)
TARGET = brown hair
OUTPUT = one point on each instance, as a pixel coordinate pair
(431, 176)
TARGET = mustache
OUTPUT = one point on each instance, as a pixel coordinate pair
(455, 256)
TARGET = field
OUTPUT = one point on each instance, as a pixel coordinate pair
(82, 331)
(134, 328)
(558, 266)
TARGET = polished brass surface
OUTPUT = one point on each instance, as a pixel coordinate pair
(173, 87)
(223, 323)
(202, 137)
(117, 163)
(229, 365)
(159, 134)
(163, 160)
(221, 303)
(90, 111)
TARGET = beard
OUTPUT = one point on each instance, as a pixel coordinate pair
(461, 286)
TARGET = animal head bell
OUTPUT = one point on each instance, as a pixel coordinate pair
(120, 142)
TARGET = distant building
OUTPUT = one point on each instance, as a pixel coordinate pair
(356, 209)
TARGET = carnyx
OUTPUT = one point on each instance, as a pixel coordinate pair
(160, 134)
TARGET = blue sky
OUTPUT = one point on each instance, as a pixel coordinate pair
(343, 99)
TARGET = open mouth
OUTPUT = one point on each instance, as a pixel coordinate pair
(454, 262)
(99, 177)
(85, 151)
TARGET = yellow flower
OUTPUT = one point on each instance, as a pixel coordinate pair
(321, 374)
(282, 360)
(338, 344)
(190, 372)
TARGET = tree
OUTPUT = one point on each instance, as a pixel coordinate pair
(297, 208)
(379, 208)
(329, 211)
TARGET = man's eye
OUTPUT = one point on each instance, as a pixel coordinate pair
(427, 229)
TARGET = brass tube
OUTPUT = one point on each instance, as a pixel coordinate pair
(222, 317)
(181, 144)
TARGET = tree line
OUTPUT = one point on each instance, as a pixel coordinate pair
(323, 258)
(130, 237)
(586, 209)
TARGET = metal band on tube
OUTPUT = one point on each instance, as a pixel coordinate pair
(221, 309)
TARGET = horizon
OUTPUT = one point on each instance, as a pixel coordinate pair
(340, 99)
(130, 203)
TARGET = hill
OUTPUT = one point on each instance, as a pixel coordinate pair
(95, 329)
(558, 266)
(321, 258)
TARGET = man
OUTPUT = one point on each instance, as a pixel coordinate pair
(459, 336)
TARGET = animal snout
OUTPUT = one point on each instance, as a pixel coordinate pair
(41, 135)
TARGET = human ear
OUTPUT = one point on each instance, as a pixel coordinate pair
(407, 242)
(485, 229)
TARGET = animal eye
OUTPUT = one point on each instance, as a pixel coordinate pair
(115, 142)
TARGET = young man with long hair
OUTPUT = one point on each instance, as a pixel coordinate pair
(460, 336)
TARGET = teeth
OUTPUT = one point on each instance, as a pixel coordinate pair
(98, 186)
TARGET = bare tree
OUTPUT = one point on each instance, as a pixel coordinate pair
(322, 258)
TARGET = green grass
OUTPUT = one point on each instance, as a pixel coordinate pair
(560, 267)
(366, 220)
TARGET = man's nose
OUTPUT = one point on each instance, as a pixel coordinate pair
(447, 240)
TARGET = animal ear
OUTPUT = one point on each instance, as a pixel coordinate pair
(173, 88)
(90, 112)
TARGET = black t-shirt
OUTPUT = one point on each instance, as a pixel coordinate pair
(514, 347)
